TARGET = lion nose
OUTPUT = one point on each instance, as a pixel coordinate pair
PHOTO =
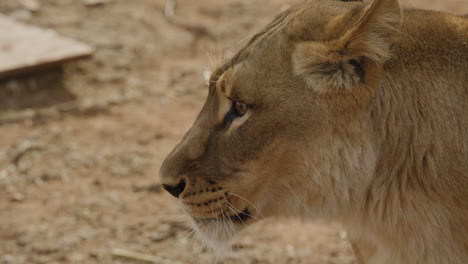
(175, 190)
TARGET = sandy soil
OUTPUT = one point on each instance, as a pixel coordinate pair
(78, 164)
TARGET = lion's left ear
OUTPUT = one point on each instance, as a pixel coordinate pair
(343, 63)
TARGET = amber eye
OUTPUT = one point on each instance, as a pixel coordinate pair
(240, 108)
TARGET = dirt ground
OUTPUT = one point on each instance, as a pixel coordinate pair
(79, 156)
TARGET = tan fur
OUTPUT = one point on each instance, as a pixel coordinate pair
(358, 113)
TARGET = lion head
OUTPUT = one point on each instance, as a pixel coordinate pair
(282, 126)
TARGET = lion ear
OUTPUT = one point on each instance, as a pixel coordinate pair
(345, 61)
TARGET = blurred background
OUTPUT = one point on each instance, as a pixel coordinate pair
(89, 107)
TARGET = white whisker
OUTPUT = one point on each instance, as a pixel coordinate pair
(210, 58)
(240, 219)
(237, 211)
(229, 228)
(249, 203)
(191, 233)
(297, 199)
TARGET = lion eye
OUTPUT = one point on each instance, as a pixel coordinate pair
(240, 108)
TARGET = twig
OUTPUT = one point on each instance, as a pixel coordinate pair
(123, 253)
(198, 30)
(25, 147)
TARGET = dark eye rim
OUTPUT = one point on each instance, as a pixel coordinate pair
(233, 113)
(235, 105)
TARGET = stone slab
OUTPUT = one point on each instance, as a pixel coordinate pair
(26, 49)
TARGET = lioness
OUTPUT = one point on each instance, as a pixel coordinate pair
(343, 111)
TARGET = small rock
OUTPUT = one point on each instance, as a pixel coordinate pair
(17, 197)
(94, 2)
(45, 249)
(22, 241)
(21, 15)
(94, 255)
(343, 234)
(77, 258)
(3, 174)
(291, 250)
(7, 259)
(138, 187)
(160, 236)
(97, 182)
(38, 181)
(31, 5)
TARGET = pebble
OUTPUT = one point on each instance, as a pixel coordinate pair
(22, 241)
(343, 234)
(94, 2)
(94, 255)
(17, 197)
(77, 258)
(160, 236)
(7, 259)
(23, 15)
(31, 5)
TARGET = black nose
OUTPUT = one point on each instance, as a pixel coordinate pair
(175, 190)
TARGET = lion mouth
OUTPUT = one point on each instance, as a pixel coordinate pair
(241, 217)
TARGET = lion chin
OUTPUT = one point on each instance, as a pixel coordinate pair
(218, 234)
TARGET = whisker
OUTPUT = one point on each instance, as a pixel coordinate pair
(233, 234)
(190, 249)
(190, 242)
(297, 198)
(230, 231)
(249, 203)
(190, 234)
(232, 207)
(240, 219)
(210, 57)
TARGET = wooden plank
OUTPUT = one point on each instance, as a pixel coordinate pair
(25, 49)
